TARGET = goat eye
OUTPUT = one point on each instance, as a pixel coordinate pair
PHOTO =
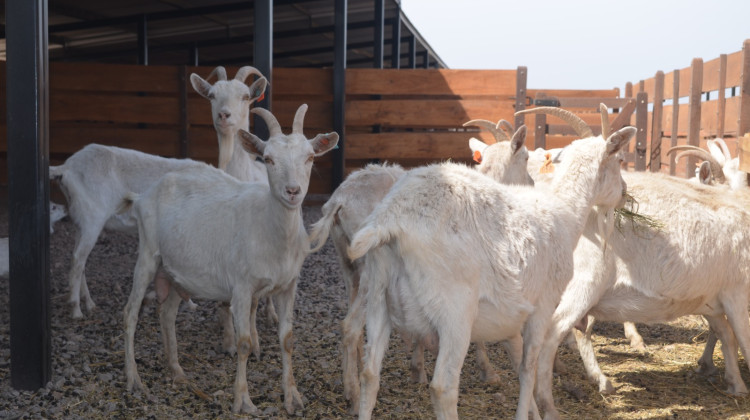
(211, 96)
(310, 158)
(246, 98)
(268, 160)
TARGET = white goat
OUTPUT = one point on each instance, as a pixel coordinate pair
(227, 240)
(230, 111)
(354, 200)
(452, 253)
(56, 212)
(95, 179)
(644, 274)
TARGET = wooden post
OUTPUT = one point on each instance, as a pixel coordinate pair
(628, 90)
(743, 125)
(641, 85)
(656, 121)
(694, 130)
(641, 136)
(540, 131)
(27, 107)
(521, 78)
(675, 117)
(722, 104)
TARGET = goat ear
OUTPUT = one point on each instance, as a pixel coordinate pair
(619, 139)
(477, 145)
(322, 143)
(201, 86)
(704, 173)
(258, 89)
(252, 143)
(518, 140)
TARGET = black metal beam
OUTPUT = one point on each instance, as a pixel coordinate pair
(412, 52)
(27, 83)
(339, 89)
(426, 59)
(396, 40)
(263, 57)
(378, 34)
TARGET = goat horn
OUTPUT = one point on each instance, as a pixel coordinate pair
(716, 171)
(605, 120)
(574, 120)
(505, 126)
(273, 124)
(491, 127)
(245, 71)
(220, 72)
(299, 117)
(723, 145)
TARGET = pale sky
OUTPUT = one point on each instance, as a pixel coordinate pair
(580, 44)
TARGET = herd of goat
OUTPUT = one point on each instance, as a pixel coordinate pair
(523, 248)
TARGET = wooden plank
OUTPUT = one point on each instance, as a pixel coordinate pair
(656, 131)
(628, 90)
(592, 103)
(500, 83)
(675, 117)
(100, 77)
(68, 140)
(744, 152)
(623, 117)
(575, 93)
(408, 145)
(641, 136)
(113, 108)
(304, 81)
(540, 128)
(425, 113)
(743, 123)
(721, 106)
(521, 79)
(183, 142)
(695, 110)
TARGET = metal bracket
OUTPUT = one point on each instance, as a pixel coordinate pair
(551, 101)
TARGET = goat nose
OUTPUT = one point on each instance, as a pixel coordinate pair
(293, 190)
(225, 115)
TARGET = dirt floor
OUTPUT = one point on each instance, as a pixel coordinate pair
(88, 380)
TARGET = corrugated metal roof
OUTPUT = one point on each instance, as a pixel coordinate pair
(221, 33)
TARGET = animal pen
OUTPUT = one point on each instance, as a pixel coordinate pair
(409, 116)
(406, 116)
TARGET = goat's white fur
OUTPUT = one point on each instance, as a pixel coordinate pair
(230, 111)
(94, 180)
(354, 200)
(451, 252)
(656, 275)
(226, 240)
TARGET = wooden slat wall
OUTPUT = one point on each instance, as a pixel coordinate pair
(720, 113)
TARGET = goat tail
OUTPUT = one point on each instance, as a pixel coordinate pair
(55, 172)
(369, 237)
(321, 229)
(127, 202)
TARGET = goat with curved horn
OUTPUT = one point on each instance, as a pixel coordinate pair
(274, 128)
(245, 71)
(574, 120)
(605, 120)
(220, 72)
(299, 118)
(499, 130)
(687, 150)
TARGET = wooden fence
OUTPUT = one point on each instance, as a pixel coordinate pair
(690, 105)
(408, 116)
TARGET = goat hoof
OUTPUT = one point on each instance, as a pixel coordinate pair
(180, 378)
(76, 313)
(491, 378)
(244, 405)
(293, 402)
(605, 387)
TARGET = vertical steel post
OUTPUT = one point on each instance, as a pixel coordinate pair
(263, 59)
(396, 39)
(339, 89)
(28, 192)
(378, 35)
(412, 52)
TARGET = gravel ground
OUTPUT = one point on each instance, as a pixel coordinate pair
(88, 380)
